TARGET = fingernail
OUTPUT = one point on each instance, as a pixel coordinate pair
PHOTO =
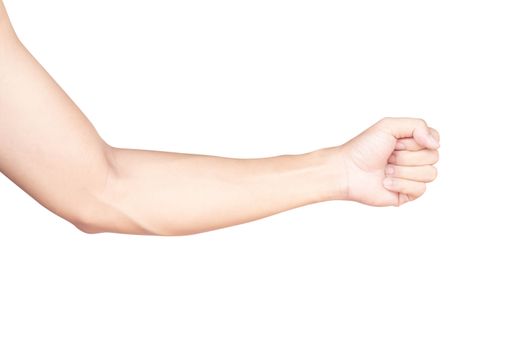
(389, 169)
(400, 146)
(388, 182)
(433, 143)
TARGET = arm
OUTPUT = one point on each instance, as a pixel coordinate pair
(51, 150)
(47, 146)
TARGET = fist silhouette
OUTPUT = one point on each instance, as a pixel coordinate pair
(391, 162)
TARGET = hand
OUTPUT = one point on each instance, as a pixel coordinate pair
(391, 162)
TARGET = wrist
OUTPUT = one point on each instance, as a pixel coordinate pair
(331, 173)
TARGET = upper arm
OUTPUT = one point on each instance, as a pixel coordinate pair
(47, 146)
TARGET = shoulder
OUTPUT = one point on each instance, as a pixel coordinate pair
(8, 37)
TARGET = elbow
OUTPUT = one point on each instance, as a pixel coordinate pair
(101, 214)
(108, 219)
(88, 227)
(94, 210)
(95, 225)
(104, 207)
(87, 222)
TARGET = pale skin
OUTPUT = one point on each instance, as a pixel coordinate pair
(50, 149)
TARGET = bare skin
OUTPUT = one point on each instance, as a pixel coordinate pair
(52, 151)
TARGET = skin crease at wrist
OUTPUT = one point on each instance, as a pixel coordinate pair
(75, 174)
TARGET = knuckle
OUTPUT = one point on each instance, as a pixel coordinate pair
(422, 121)
(384, 121)
(435, 156)
(429, 173)
(434, 174)
(435, 133)
(422, 188)
(385, 124)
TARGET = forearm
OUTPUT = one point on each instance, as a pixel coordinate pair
(51, 150)
(150, 192)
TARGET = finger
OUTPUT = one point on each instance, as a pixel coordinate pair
(408, 158)
(423, 173)
(403, 198)
(408, 144)
(409, 127)
(413, 189)
(435, 134)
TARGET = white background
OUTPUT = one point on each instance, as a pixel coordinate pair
(257, 78)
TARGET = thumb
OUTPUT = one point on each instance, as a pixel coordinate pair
(409, 127)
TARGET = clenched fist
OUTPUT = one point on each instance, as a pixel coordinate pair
(391, 162)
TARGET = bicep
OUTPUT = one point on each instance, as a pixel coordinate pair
(47, 146)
